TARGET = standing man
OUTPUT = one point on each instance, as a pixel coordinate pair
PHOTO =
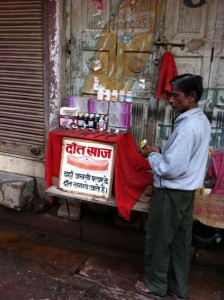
(179, 169)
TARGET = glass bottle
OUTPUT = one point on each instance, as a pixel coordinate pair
(80, 120)
(86, 119)
(96, 121)
(91, 121)
(101, 122)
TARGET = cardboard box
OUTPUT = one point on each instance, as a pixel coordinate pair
(79, 102)
(66, 120)
(120, 107)
(119, 120)
(100, 107)
(68, 115)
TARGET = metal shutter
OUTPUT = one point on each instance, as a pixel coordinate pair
(21, 78)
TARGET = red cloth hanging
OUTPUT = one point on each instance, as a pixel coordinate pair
(167, 72)
(131, 176)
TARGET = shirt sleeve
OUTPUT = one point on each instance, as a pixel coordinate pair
(175, 160)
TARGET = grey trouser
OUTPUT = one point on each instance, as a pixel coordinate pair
(168, 241)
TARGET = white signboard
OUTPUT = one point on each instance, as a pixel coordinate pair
(87, 167)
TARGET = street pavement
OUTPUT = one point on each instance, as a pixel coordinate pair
(36, 266)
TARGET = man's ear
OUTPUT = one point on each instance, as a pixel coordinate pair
(194, 96)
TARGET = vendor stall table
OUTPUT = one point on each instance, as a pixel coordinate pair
(131, 175)
(55, 191)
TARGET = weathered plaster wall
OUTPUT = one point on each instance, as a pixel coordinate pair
(19, 165)
(55, 16)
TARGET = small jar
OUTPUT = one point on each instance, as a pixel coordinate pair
(100, 94)
(114, 96)
(121, 96)
(106, 95)
(128, 97)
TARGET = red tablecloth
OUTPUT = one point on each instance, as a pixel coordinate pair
(130, 175)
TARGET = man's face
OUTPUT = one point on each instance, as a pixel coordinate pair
(180, 102)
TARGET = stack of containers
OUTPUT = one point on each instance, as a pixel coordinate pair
(120, 115)
(118, 110)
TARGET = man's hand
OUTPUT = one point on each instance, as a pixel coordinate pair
(146, 150)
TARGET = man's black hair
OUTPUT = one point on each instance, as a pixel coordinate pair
(188, 83)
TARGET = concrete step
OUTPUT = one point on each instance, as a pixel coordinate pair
(93, 226)
(16, 191)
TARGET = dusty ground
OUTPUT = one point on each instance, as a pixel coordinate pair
(17, 282)
(36, 266)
